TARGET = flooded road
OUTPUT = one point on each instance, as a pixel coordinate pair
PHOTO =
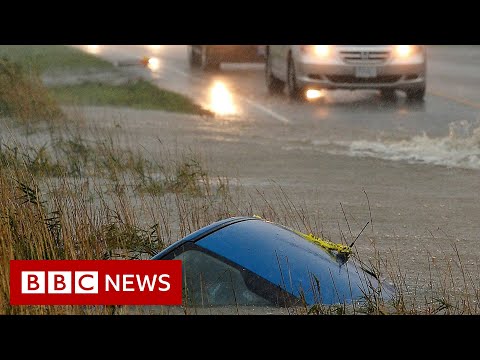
(445, 130)
(418, 162)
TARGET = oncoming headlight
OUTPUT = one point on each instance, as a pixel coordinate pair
(405, 51)
(322, 51)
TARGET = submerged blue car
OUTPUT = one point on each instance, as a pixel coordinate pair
(252, 262)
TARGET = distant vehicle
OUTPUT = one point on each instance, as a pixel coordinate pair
(252, 262)
(209, 57)
(383, 67)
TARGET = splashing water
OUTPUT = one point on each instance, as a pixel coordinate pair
(461, 148)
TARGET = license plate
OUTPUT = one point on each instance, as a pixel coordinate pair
(365, 72)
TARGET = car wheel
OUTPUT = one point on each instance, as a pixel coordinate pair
(274, 85)
(416, 94)
(294, 92)
(388, 94)
(194, 58)
(208, 61)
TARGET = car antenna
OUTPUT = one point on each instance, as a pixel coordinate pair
(353, 243)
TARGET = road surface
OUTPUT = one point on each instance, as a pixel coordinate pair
(418, 163)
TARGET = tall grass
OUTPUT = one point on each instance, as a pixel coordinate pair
(51, 214)
(23, 96)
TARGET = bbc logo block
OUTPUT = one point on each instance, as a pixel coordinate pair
(95, 282)
(59, 282)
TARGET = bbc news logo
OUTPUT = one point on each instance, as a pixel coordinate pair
(59, 282)
(86, 282)
(95, 282)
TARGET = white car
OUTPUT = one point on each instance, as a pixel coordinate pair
(383, 67)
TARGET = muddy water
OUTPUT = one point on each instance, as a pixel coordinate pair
(419, 210)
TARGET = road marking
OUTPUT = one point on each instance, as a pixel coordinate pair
(266, 110)
(458, 100)
(273, 114)
(180, 72)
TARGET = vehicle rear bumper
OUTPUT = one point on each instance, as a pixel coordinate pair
(396, 76)
(237, 53)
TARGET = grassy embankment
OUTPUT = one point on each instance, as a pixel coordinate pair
(55, 60)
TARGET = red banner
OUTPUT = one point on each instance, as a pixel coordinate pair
(95, 282)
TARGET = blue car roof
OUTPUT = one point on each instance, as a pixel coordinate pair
(284, 258)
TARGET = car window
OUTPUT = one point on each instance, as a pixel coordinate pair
(208, 281)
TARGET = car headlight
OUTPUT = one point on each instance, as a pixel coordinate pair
(405, 51)
(322, 51)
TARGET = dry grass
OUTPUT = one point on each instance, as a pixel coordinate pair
(51, 215)
(23, 96)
